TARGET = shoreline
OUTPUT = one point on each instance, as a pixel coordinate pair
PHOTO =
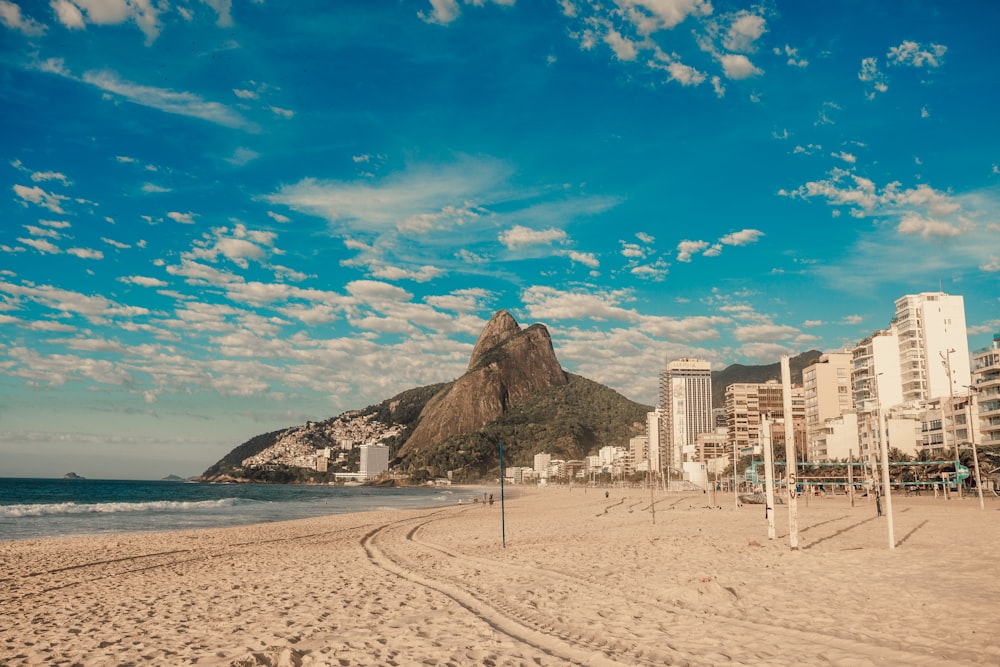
(583, 579)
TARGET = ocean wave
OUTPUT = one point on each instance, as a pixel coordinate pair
(57, 509)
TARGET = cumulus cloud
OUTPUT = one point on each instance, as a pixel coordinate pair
(11, 17)
(745, 29)
(86, 253)
(871, 75)
(687, 248)
(36, 195)
(75, 14)
(913, 54)
(737, 66)
(182, 218)
(520, 236)
(143, 281)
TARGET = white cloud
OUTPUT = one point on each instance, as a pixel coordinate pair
(182, 218)
(585, 258)
(154, 189)
(41, 245)
(520, 236)
(914, 55)
(244, 94)
(442, 12)
(793, 56)
(687, 248)
(10, 16)
(284, 113)
(624, 48)
(684, 74)
(143, 281)
(74, 14)
(40, 197)
(742, 237)
(277, 217)
(744, 31)
(764, 333)
(845, 156)
(41, 231)
(653, 15)
(242, 156)
(871, 75)
(913, 223)
(116, 244)
(85, 253)
(737, 66)
(166, 100)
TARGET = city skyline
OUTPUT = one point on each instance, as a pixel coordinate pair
(225, 218)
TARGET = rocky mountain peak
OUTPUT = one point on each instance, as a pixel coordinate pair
(508, 364)
(498, 330)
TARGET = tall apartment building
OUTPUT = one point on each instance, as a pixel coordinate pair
(746, 403)
(685, 407)
(875, 372)
(653, 439)
(933, 345)
(374, 461)
(827, 386)
(986, 380)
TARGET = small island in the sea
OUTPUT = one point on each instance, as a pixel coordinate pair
(72, 475)
(174, 478)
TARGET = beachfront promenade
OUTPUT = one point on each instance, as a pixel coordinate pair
(584, 580)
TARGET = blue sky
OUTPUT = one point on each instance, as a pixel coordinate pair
(222, 218)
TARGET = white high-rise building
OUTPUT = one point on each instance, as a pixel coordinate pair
(685, 406)
(933, 345)
(875, 372)
(374, 461)
(653, 434)
(542, 463)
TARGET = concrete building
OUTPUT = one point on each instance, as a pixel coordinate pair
(685, 406)
(827, 387)
(653, 421)
(986, 381)
(374, 461)
(542, 463)
(933, 345)
(639, 445)
(836, 439)
(875, 371)
(746, 403)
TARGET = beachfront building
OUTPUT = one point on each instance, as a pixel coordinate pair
(653, 420)
(827, 388)
(836, 439)
(746, 403)
(685, 407)
(639, 447)
(374, 461)
(986, 403)
(933, 345)
(542, 463)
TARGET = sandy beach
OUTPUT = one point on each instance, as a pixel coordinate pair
(583, 580)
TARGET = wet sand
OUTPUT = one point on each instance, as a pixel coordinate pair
(583, 580)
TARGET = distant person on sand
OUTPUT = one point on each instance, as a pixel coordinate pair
(606, 494)
(491, 500)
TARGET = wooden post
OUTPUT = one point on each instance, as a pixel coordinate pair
(850, 475)
(736, 491)
(765, 441)
(791, 467)
(886, 486)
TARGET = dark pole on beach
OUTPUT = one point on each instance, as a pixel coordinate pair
(503, 526)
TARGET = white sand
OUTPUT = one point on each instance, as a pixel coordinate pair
(583, 580)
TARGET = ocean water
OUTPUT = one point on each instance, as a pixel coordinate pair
(37, 508)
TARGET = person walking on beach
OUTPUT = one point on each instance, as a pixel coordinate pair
(491, 500)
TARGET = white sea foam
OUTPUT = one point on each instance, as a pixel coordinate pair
(62, 509)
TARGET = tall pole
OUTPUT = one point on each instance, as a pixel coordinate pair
(736, 493)
(765, 441)
(850, 474)
(886, 486)
(503, 513)
(973, 418)
(791, 467)
(951, 408)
